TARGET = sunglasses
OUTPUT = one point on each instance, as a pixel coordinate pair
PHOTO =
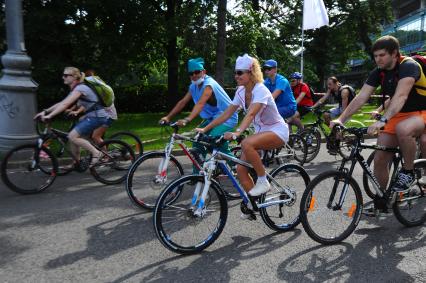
(240, 73)
(267, 68)
(66, 75)
(194, 73)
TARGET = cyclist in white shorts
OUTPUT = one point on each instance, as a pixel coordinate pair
(270, 129)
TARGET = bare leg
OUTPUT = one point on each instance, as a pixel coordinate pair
(383, 158)
(296, 121)
(406, 133)
(98, 134)
(77, 140)
(250, 146)
(327, 118)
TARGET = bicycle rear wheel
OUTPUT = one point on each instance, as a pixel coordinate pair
(27, 169)
(131, 139)
(346, 143)
(313, 142)
(176, 225)
(145, 181)
(323, 219)
(284, 217)
(410, 207)
(113, 166)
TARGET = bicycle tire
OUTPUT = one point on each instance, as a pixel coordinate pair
(15, 171)
(345, 144)
(291, 175)
(131, 139)
(415, 197)
(143, 190)
(371, 193)
(313, 141)
(300, 147)
(112, 168)
(310, 207)
(179, 239)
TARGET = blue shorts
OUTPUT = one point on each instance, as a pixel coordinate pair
(335, 112)
(108, 123)
(287, 111)
(86, 126)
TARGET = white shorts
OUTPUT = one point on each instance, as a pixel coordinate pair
(280, 130)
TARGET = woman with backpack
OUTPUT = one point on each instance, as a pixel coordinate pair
(95, 116)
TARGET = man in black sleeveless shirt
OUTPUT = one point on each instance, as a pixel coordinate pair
(403, 120)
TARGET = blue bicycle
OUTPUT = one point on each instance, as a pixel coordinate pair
(191, 212)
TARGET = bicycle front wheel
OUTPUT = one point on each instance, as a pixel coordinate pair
(284, 216)
(116, 161)
(28, 169)
(131, 139)
(179, 225)
(299, 147)
(410, 207)
(145, 180)
(331, 207)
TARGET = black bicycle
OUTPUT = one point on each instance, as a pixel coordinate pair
(312, 134)
(32, 168)
(332, 204)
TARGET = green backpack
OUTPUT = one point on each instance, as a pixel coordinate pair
(103, 91)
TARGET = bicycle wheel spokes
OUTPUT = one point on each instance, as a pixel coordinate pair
(28, 170)
(131, 139)
(313, 141)
(284, 216)
(410, 207)
(322, 217)
(177, 225)
(300, 148)
(145, 181)
(113, 166)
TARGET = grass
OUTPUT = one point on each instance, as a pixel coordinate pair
(154, 137)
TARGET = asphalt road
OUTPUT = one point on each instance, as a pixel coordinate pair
(81, 231)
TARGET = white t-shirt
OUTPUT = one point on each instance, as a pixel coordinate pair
(268, 118)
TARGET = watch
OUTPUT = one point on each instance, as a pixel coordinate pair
(234, 136)
(383, 119)
(238, 130)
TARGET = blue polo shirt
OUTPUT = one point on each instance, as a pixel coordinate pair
(286, 98)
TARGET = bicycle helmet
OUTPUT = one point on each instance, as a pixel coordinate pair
(296, 75)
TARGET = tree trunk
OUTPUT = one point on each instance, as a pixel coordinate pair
(172, 54)
(221, 41)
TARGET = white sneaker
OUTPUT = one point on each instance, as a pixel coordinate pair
(260, 188)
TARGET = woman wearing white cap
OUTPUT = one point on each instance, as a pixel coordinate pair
(270, 129)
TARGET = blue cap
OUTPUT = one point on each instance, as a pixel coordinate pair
(196, 64)
(270, 63)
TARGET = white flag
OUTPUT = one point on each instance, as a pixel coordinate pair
(314, 14)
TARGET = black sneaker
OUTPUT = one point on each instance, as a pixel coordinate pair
(403, 182)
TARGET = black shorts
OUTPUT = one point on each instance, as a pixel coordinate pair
(303, 110)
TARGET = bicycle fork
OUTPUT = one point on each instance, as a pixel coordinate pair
(200, 208)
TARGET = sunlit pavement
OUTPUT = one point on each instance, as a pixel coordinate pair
(81, 231)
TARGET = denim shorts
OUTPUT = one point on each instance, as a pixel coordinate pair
(86, 126)
(108, 123)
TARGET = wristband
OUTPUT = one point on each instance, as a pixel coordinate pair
(383, 119)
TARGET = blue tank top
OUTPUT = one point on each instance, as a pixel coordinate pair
(211, 112)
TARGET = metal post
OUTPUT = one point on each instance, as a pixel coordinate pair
(18, 103)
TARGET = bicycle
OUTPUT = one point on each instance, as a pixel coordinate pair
(333, 200)
(66, 162)
(191, 212)
(32, 168)
(152, 171)
(312, 134)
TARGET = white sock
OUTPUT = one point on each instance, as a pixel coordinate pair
(262, 179)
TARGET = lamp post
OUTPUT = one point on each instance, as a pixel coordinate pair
(18, 103)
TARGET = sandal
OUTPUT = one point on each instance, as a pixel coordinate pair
(95, 159)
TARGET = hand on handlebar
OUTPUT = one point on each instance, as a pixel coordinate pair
(164, 120)
(335, 122)
(376, 115)
(375, 128)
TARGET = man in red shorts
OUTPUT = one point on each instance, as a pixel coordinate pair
(405, 117)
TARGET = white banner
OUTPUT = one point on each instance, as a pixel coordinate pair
(314, 14)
